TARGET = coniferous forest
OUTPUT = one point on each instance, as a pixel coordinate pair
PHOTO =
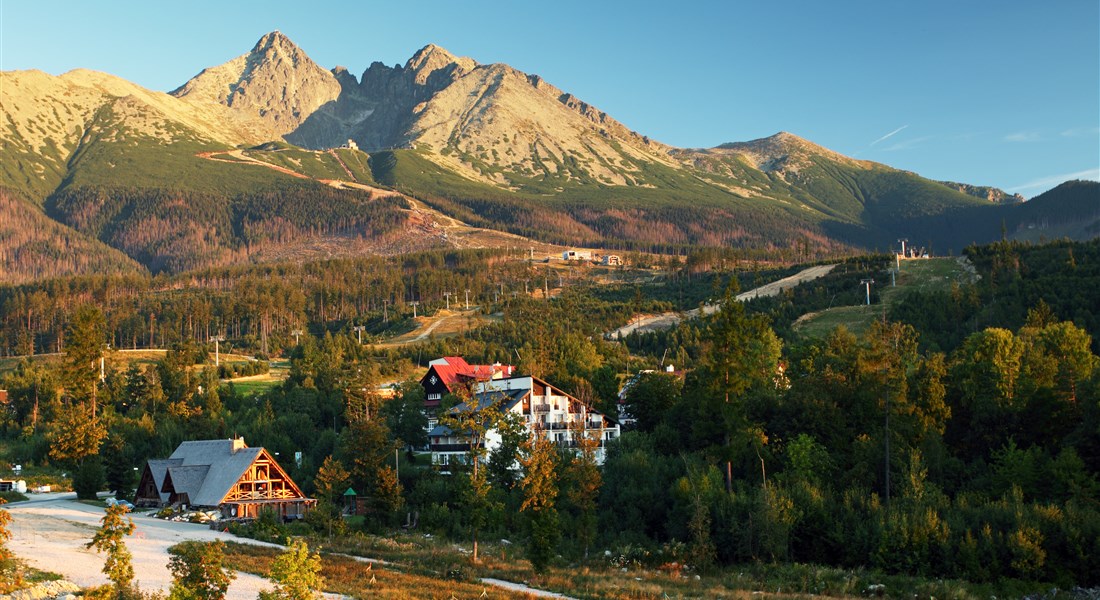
(956, 436)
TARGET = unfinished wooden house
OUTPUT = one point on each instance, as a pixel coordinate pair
(222, 474)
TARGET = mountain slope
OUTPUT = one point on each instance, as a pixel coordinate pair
(1070, 210)
(45, 120)
(33, 246)
(239, 164)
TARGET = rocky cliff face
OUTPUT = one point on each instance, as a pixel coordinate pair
(488, 122)
(276, 83)
(989, 194)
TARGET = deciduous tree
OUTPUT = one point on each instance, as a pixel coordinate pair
(110, 539)
(199, 571)
(540, 493)
(296, 574)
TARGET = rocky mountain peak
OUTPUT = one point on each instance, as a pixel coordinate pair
(432, 58)
(276, 43)
(276, 81)
(783, 151)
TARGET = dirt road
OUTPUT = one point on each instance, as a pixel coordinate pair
(645, 323)
(50, 531)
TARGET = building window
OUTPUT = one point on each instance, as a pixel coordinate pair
(434, 396)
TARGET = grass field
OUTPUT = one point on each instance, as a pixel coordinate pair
(254, 386)
(922, 275)
(419, 566)
(118, 359)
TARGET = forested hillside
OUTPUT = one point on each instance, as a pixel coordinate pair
(974, 455)
(33, 246)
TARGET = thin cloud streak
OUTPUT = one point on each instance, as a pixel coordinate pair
(889, 135)
(907, 144)
(1023, 136)
(1081, 131)
(1053, 180)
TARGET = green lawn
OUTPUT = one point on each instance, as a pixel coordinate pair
(922, 275)
(254, 387)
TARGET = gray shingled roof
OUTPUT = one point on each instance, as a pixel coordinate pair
(158, 467)
(187, 480)
(223, 466)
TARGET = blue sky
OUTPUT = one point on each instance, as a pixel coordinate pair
(991, 93)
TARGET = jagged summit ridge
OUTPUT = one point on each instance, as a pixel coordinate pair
(276, 83)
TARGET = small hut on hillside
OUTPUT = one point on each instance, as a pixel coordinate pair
(222, 474)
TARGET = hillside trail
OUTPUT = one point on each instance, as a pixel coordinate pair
(645, 323)
(425, 220)
(449, 321)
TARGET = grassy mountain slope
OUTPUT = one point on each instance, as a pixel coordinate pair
(178, 181)
(1070, 210)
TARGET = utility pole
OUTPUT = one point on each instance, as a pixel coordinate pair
(217, 350)
(296, 333)
(359, 330)
(467, 299)
(867, 284)
(414, 304)
(902, 240)
(447, 295)
(385, 311)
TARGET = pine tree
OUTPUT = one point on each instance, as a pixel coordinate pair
(85, 341)
(331, 479)
(742, 356)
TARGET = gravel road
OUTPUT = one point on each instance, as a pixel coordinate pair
(50, 531)
(645, 323)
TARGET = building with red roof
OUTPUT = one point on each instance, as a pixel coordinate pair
(449, 374)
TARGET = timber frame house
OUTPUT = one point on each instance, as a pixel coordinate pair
(222, 474)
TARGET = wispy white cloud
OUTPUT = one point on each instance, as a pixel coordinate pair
(889, 135)
(1023, 136)
(907, 144)
(1081, 132)
(1053, 180)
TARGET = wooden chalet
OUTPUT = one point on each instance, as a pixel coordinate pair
(449, 374)
(222, 474)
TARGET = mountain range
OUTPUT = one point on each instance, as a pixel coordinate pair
(273, 157)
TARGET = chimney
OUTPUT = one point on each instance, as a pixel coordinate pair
(237, 443)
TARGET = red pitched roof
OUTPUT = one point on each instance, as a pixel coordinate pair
(453, 369)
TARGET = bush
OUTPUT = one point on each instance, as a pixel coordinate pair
(198, 571)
